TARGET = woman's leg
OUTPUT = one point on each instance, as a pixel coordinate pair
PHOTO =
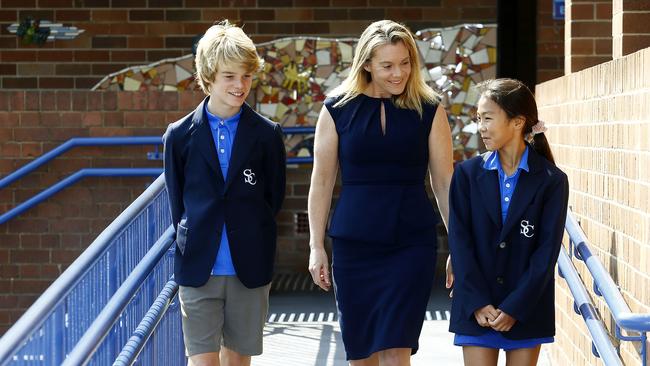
(523, 356)
(373, 360)
(480, 356)
(395, 357)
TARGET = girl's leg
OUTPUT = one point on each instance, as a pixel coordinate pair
(523, 356)
(480, 356)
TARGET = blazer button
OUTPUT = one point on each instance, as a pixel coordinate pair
(502, 245)
(500, 280)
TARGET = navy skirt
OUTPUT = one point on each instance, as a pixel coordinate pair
(381, 294)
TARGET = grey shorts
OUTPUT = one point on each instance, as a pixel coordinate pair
(223, 312)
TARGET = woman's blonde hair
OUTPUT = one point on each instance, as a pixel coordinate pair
(222, 44)
(378, 34)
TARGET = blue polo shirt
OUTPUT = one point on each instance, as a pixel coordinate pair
(506, 184)
(223, 133)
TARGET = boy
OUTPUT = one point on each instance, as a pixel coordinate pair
(225, 175)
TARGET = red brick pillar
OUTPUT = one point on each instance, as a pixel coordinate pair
(588, 34)
(631, 26)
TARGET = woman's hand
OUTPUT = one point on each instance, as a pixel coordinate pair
(319, 268)
(503, 322)
(449, 279)
(485, 315)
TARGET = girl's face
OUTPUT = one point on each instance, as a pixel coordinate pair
(390, 68)
(496, 129)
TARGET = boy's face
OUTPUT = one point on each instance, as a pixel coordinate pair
(230, 89)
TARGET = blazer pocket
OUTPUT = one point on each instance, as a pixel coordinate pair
(181, 238)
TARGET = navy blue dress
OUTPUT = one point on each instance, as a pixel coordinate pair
(383, 228)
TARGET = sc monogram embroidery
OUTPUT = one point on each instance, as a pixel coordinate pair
(526, 229)
(249, 177)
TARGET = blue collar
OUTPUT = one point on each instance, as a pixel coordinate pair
(213, 118)
(492, 162)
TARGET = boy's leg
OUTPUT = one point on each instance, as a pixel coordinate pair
(245, 315)
(523, 356)
(202, 310)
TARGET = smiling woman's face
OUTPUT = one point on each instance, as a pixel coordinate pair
(390, 68)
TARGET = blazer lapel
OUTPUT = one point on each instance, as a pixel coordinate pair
(245, 140)
(204, 140)
(527, 186)
(488, 183)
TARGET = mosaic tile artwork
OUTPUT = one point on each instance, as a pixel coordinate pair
(56, 30)
(300, 71)
(458, 58)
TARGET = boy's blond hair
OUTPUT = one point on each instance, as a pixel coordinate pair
(224, 43)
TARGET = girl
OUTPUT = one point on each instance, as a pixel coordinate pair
(506, 221)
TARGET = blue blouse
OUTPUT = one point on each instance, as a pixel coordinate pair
(491, 338)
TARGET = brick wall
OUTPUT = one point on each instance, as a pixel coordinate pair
(588, 34)
(600, 135)
(123, 33)
(550, 43)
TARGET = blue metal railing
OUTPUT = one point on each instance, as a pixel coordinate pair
(603, 286)
(58, 320)
(149, 323)
(77, 142)
(103, 172)
(71, 179)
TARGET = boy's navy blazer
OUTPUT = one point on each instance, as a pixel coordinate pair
(202, 199)
(511, 265)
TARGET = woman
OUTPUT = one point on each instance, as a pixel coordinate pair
(506, 221)
(385, 127)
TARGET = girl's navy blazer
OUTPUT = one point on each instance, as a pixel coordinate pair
(511, 265)
(202, 199)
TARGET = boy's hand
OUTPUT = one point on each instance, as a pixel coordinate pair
(319, 269)
(485, 315)
(503, 322)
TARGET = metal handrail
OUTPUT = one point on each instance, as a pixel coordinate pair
(34, 317)
(147, 326)
(110, 141)
(103, 172)
(583, 306)
(76, 142)
(605, 286)
(71, 179)
(92, 338)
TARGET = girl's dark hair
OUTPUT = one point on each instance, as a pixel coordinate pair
(516, 100)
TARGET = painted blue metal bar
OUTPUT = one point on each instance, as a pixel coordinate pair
(147, 326)
(298, 130)
(47, 308)
(617, 305)
(71, 179)
(584, 307)
(605, 286)
(99, 329)
(75, 142)
(105, 141)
